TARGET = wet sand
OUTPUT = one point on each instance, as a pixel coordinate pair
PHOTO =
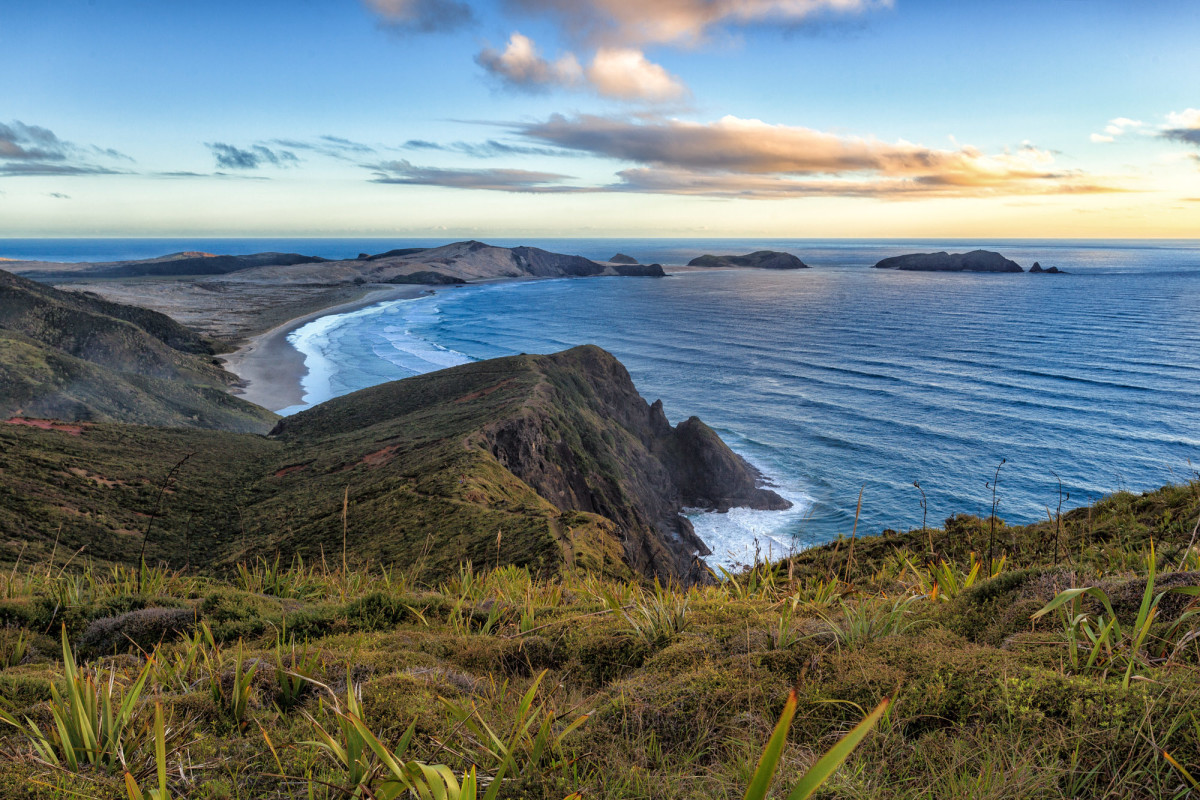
(271, 369)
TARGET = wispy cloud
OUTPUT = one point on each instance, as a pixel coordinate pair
(30, 150)
(1116, 128)
(620, 73)
(422, 16)
(331, 146)
(491, 148)
(506, 180)
(627, 22)
(230, 157)
(58, 195)
(219, 175)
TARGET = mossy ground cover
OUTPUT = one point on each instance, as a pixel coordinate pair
(678, 689)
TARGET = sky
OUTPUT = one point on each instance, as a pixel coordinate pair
(677, 118)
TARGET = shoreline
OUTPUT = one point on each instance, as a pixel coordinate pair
(270, 370)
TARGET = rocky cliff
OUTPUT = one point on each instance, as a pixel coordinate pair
(974, 261)
(559, 454)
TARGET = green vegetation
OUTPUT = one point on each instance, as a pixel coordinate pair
(305, 680)
(76, 357)
(546, 462)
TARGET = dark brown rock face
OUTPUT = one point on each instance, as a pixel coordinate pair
(595, 445)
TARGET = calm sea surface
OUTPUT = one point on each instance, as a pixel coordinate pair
(835, 379)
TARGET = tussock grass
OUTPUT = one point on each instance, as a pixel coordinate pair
(1022, 678)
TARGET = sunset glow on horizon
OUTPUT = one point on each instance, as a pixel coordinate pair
(758, 118)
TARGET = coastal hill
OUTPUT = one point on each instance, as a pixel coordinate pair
(974, 261)
(760, 259)
(261, 291)
(468, 260)
(77, 357)
(549, 462)
(559, 452)
(174, 264)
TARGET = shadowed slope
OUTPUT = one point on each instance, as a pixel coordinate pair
(74, 356)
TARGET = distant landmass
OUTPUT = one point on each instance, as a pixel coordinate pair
(229, 298)
(621, 258)
(466, 261)
(172, 265)
(974, 261)
(760, 259)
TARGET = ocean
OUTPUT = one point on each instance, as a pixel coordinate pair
(837, 380)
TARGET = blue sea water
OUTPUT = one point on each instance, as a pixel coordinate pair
(841, 378)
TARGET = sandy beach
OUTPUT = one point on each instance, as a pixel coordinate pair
(271, 369)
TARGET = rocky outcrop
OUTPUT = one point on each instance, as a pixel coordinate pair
(621, 258)
(760, 259)
(640, 270)
(570, 428)
(974, 261)
(427, 278)
(1038, 269)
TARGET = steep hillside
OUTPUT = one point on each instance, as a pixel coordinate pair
(72, 356)
(559, 450)
(540, 461)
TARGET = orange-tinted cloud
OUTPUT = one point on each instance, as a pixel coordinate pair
(681, 21)
(626, 74)
(749, 157)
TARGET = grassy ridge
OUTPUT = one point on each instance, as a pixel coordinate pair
(680, 688)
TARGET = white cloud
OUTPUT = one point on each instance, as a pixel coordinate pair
(1100, 138)
(626, 74)
(521, 65)
(1188, 118)
(617, 73)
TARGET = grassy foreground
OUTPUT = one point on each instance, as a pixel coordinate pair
(310, 681)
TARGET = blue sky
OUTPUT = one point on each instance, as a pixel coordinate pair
(592, 117)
